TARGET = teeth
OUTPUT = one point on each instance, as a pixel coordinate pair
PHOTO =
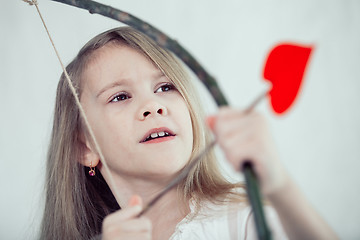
(159, 134)
(154, 135)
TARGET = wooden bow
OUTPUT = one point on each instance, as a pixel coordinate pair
(210, 83)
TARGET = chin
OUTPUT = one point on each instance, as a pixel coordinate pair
(165, 169)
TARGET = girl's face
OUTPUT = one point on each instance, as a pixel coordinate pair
(140, 120)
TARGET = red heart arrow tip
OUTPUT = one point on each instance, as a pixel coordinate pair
(285, 68)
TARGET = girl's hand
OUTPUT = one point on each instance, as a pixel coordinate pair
(124, 224)
(245, 137)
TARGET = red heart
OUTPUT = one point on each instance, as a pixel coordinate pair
(285, 68)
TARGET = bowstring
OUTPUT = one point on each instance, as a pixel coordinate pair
(77, 100)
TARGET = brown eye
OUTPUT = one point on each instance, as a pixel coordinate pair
(120, 97)
(165, 88)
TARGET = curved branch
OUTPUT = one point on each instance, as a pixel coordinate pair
(164, 41)
(159, 37)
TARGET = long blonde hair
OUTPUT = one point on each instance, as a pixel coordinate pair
(75, 203)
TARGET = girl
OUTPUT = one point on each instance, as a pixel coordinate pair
(147, 121)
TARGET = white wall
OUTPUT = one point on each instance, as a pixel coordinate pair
(319, 139)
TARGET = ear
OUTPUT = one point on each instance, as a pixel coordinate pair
(90, 156)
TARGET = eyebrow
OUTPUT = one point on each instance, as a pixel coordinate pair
(124, 81)
(111, 85)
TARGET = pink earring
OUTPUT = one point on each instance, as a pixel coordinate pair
(92, 170)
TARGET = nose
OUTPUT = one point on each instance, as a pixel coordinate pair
(152, 109)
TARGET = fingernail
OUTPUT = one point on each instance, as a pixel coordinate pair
(135, 200)
(210, 121)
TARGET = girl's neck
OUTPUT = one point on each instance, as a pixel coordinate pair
(165, 214)
(147, 189)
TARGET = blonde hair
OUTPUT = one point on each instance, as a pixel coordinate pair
(76, 204)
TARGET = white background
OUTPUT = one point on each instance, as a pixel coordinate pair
(318, 139)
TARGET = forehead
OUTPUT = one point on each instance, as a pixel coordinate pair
(114, 61)
(117, 54)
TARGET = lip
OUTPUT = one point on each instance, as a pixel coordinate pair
(156, 130)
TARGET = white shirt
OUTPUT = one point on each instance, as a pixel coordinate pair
(225, 223)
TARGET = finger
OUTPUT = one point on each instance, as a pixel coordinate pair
(210, 121)
(114, 226)
(135, 200)
(237, 133)
(131, 211)
(237, 120)
(242, 146)
(239, 137)
(223, 112)
(237, 153)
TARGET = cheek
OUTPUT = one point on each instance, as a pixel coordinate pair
(118, 148)
(120, 135)
(114, 137)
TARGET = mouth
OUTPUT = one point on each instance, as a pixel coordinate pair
(157, 134)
